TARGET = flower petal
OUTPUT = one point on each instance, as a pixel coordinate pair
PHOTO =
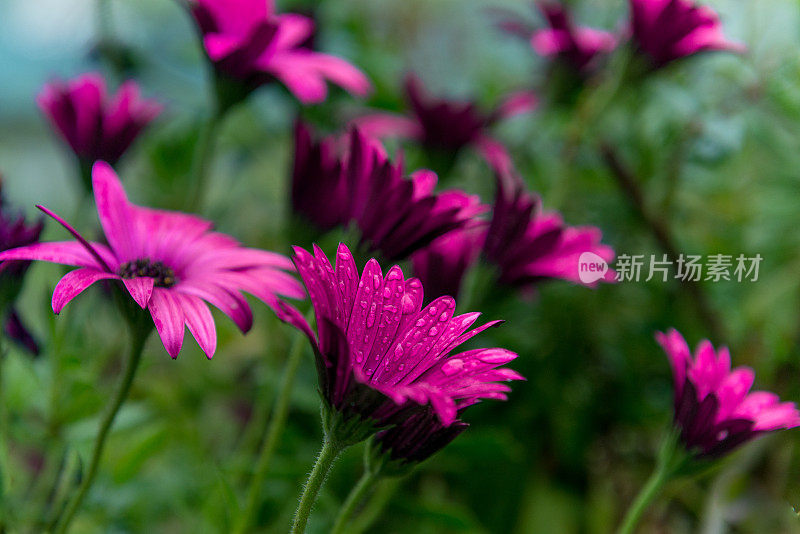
(74, 283)
(200, 322)
(168, 316)
(114, 211)
(140, 289)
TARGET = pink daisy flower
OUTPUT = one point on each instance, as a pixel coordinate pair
(442, 265)
(576, 46)
(382, 356)
(666, 30)
(169, 262)
(714, 408)
(395, 214)
(95, 124)
(248, 41)
(447, 125)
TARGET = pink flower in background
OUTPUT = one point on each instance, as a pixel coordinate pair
(169, 262)
(577, 46)
(447, 125)
(360, 185)
(250, 42)
(15, 232)
(95, 124)
(442, 265)
(528, 245)
(714, 408)
(666, 30)
(381, 356)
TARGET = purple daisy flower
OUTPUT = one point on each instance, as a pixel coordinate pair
(395, 214)
(169, 262)
(382, 356)
(714, 408)
(447, 125)
(442, 265)
(666, 30)
(15, 232)
(96, 125)
(576, 46)
(248, 41)
(529, 245)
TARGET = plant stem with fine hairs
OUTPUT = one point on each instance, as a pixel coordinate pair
(139, 334)
(277, 423)
(629, 186)
(327, 455)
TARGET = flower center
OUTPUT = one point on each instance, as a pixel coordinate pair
(160, 273)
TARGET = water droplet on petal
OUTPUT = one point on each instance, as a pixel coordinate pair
(452, 366)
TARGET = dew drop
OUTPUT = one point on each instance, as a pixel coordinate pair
(452, 366)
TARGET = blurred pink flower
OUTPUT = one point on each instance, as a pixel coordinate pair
(528, 245)
(447, 125)
(250, 42)
(381, 356)
(666, 30)
(714, 408)
(395, 214)
(577, 46)
(96, 125)
(169, 262)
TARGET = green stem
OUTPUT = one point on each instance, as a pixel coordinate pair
(374, 507)
(5, 475)
(274, 433)
(353, 499)
(203, 159)
(330, 450)
(139, 337)
(646, 496)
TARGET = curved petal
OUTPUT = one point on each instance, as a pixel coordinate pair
(200, 322)
(114, 211)
(167, 313)
(140, 289)
(74, 283)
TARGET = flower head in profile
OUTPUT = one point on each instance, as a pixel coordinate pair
(382, 356)
(249, 42)
(96, 125)
(15, 232)
(715, 411)
(396, 214)
(446, 125)
(577, 46)
(171, 264)
(528, 245)
(666, 30)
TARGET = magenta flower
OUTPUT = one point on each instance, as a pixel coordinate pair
(248, 41)
(415, 440)
(576, 46)
(714, 408)
(96, 125)
(666, 30)
(528, 245)
(446, 125)
(169, 262)
(381, 356)
(15, 232)
(395, 214)
(442, 265)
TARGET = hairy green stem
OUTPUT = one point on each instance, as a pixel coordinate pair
(139, 337)
(327, 455)
(355, 497)
(277, 424)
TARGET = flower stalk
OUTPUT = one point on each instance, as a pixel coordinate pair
(327, 455)
(140, 328)
(277, 424)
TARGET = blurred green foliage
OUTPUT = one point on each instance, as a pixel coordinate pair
(714, 142)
